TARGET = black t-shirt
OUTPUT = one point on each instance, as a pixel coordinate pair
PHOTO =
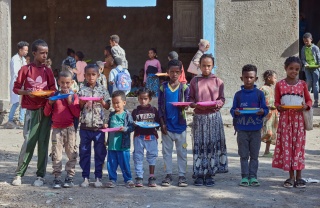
(148, 114)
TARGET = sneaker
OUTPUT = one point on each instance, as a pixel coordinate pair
(16, 181)
(182, 181)
(68, 182)
(315, 104)
(85, 183)
(209, 181)
(111, 184)
(198, 181)
(98, 183)
(38, 182)
(138, 182)
(57, 183)
(20, 124)
(130, 184)
(152, 182)
(167, 180)
(10, 125)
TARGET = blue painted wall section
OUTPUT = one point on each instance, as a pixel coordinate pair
(208, 25)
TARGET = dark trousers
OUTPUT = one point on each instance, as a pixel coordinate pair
(249, 143)
(100, 152)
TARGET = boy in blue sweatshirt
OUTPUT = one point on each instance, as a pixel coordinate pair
(249, 126)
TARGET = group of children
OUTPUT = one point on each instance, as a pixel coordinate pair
(209, 144)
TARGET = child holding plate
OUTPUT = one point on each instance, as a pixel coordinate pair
(145, 138)
(209, 144)
(289, 153)
(94, 99)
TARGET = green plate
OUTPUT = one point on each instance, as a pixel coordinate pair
(312, 66)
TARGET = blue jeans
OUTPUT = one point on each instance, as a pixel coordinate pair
(122, 159)
(13, 110)
(100, 152)
(312, 76)
(151, 147)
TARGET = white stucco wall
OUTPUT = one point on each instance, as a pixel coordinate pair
(262, 33)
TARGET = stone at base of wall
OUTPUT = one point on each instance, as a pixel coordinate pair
(4, 110)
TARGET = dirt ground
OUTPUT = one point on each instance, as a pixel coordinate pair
(226, 192)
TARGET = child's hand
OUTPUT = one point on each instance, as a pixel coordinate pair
(111, 83)
(82, 102)
(69, 99)
(105, 126)
(29, 93)
(51, 102)
(201, 107)
(280, 108)
(237, 112)
(164, 129)
(121, 129)
(260, 112)
(305, 107)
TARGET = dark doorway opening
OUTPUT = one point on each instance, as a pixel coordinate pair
(309, 20)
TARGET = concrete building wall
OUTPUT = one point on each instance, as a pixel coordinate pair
(63, 24)
(262, 33)
(5, 38)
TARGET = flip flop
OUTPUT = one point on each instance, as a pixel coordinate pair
(300, 183)
(288, 183)
(244, 182)
(254, 182)
(270, 155)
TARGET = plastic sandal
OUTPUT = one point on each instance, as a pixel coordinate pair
(254, 182)
(300, 183)
(244, 182)
(288, 183)
(111, 184)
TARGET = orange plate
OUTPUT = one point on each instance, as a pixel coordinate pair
(42, 93)
(292, 106)
(161, 74)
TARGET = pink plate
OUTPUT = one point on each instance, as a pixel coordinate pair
(207, 103)
(110, 129)
(181, 103)
(90, 98)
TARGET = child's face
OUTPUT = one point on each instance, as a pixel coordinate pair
(65, 83)
(118, 104)
(41, 54)
(307, 41)
(151, 54)
(174, 73)
(293, 70)
(76, 57)
(249, 78)
(272, 79)
(91, 76)
(144, 99)
(206, 66)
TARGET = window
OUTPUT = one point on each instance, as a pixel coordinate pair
(131, 3)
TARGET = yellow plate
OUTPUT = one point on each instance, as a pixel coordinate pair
(292, 106)
(42, 93)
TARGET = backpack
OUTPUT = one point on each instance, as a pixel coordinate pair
(123, 80)
(75, 119)
(235, 119)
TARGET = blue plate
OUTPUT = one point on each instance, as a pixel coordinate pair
(58, 97)
(248, 111)
(147, 125)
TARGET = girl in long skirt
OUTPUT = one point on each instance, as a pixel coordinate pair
(209, 144)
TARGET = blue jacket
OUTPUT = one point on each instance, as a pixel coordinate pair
(183, 97)
(315, 52)
(128, 128)
(253, 98)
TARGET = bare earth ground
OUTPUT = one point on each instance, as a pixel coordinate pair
(226, 192)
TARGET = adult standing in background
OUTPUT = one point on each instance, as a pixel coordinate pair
(17, 61)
